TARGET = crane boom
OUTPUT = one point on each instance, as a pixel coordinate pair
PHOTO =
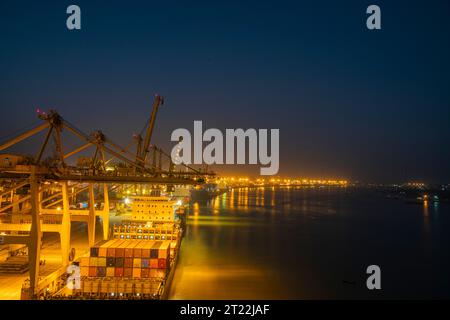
(148, 135)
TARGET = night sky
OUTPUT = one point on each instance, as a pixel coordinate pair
(350, 103)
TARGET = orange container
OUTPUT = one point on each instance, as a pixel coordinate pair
(128, 272)
(92, 271)
(103, 250)
(120, 250)
(164, 250)
(153, 273)
(137, 250)
(144, 273)
(145, 249)
(111, 250)
(129, 249)
(153, 263)
(136, 272)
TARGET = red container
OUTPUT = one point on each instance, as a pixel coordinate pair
(162, 263)
(128, 272)
(137, 252)
(145, 273)
(111, 252)
(120, 252)
(92, 271)
(128, 263)
(118, 272)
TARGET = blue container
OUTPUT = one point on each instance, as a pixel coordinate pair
(145, 263)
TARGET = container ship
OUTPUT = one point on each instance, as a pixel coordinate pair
(139, 260)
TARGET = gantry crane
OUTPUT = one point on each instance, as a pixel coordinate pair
(40, 175)
(143, 145)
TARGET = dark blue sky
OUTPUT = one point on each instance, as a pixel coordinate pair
(349, 102)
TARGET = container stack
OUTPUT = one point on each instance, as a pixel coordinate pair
(128, 259)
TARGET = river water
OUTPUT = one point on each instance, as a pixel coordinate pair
(313, 243)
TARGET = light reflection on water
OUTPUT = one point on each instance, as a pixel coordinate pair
(273, 243)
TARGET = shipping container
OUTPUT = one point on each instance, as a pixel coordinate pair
(145, 249)
(162, 263)
(111, 250)
(145, 263)
(149, 245)
(120, 249)
(119, 262)
(164, 250)
(110, 262)
(93, 261)
(103, 249)
(101, 272)
(128, 263)
(137, 250)
(153, 273)
(145, 273)
(137, 263)
(136, 272)
(129, 249)
(94, 252)
(110, 272)
(92, 271)
(128, 272)
(118, 272)
(155, 250)
(154, 263)
(101, 262)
